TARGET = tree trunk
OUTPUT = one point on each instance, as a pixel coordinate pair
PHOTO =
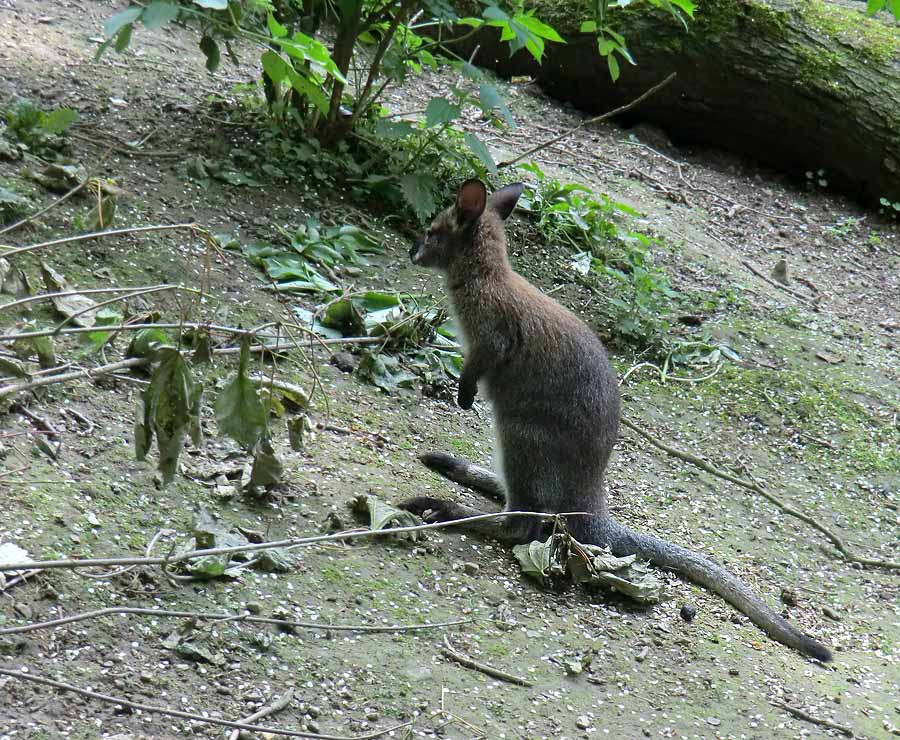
(800, 85)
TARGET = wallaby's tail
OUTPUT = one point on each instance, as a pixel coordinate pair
(624, 541)
(709, 574)
(466, 474)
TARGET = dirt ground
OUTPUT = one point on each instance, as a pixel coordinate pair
(812, 409)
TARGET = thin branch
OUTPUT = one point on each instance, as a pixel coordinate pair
(450, 652)
(96, 235)
(271, 708)
(83, 616)
(286, 543)
(84, 291)
(113, 367)
(810, 718)
(596, 119)
(143, 291)
(21, 675)
(751, 484)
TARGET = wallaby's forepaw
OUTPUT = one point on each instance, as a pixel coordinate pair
(465, 399)
(429, 509)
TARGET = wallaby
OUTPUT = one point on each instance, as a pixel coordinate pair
(555, 404)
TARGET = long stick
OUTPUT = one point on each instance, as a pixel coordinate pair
(596, 119)
(51, 623)
(286, 543)
(189, 715)
(96, 235)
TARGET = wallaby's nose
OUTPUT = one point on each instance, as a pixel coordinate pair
(414, 249)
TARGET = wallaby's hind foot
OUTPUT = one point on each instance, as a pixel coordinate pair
(466, 474)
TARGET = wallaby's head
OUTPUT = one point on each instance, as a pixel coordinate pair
(474, 222)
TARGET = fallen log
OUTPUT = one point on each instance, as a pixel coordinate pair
(801, 85)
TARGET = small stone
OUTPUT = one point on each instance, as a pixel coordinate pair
(831, 613)
(312, 726)
(780, 272)
(582, 723)
(254, 607)
(642, 655)
(713, 721)
(344, 361)
(789, 597)
(471, 569)
(313, 711)
(734, 672)
(688, 612)
(372, 715)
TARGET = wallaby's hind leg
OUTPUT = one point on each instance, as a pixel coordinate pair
(513, 530)
(466, 474)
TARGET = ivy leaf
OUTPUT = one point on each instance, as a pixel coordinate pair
(420, 192)
(440, 111)
(158, 13)
(240, 413)
(210, 48)
(481, 151)
(123, 38)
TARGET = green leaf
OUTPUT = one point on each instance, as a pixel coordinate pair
(539, 28)
(534, 558)
(481, 151)
(490, 99)
(267, 468)
(420, 192)
(57, 121)
(613, 65)
(493, 13)
(873, 6)
(123, 38)
(113, 24)
(440, 111)
(158, 13)
(212, 4)
(240, 413)
(275, 28)
(146, 342)
(274, 66)
(588, 27)
(210, 48)
(168, 403)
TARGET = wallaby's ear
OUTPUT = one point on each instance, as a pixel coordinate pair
(471, 201)
(504, 200)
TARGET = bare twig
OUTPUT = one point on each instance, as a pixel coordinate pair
(286, 543)
(202, 719)
(843, 729)
(596, 119)
(84, 291)
(751, 484)
(97, 613)
(450, 652)
(96, 235)
(96, 306)
(270, 708)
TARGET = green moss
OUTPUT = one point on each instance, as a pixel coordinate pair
(817, 404)
(870, 38)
